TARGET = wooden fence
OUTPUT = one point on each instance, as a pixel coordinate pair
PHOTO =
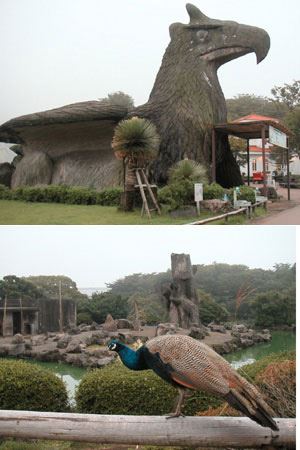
(234, 432)
(248, 210)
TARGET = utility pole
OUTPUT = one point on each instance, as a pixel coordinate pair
(60, 308)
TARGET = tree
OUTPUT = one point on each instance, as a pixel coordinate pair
(151, 310)
(239, 150)
(136, 142)
(49, 286)
(121, 99)
(245, 104)
(292, 120)
(288, 95)
(14, 288)
(102, 304)
(275, 308)
(209, 310)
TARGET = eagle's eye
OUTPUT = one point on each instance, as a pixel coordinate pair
(202, 35)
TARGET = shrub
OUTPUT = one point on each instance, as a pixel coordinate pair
(24, 386)
(109, 197)
(188, 169)
(245, 193)
(5, 192)
(271, 193)
(278, 383)
(275, 376)
(118, 390)
(74, 195)
(177, 194)
(213, 191)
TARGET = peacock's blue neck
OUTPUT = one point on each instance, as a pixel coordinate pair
(131, 359)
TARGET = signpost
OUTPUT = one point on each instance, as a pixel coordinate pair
(198, 193)
(277, 137)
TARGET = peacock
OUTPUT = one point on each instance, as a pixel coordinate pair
(188, 365)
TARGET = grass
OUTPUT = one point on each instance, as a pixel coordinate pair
(14, 212)
(12, 444)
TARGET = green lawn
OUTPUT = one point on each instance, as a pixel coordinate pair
(14, 212)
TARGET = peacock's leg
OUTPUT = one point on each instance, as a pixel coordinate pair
(179, 405)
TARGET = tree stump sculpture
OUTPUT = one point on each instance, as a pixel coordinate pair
(181, 295)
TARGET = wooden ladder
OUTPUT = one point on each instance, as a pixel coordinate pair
(140, 175)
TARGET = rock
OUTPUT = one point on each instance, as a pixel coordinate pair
(64, 341)
(50, 355)
(165, 328)
(86, 328)
(74, 330)
(246, 342)
(100, 352)
(75, 347)
(4, 349)
(216, 328)
(240, 328)
(18, 339)
(110, 324)
(124, 324)
(39, 339)
(215, 205)
(198, 332)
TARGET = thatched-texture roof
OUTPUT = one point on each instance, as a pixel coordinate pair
(11, 131)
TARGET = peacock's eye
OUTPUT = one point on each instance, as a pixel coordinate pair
(113, 346)
(202, 35)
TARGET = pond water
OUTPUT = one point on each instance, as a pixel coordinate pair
(281, 341)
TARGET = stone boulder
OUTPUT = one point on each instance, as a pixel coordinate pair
(124, 324)
(64, 341)
(18, 339)
(198, 332)
(215, 205)
(110, 324)
(216, 328)
(75, 347)
(241, 328)
(166, 328)
(39, 339)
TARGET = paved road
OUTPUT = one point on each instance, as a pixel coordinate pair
(290, 216)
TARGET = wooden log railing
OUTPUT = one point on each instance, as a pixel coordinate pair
(234, 432)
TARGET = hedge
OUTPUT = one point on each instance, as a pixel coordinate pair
(24, 386)
(118, 390)
(73, 195)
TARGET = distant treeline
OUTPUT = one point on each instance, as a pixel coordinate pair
(226, 293)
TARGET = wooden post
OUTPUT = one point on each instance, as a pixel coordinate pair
(288, 170)
(233, 432)
(22, 316)
(4, 316)
(248, 163)
(263, 139)
(60, 308)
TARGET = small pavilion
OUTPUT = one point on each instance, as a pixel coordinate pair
(255, 127)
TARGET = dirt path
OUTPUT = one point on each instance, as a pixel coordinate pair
(282, 212)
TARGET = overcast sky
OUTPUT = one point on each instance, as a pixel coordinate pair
(93, 256)
(56, 52)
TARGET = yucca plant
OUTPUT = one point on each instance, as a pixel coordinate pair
(188, 169)
(137, 139)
